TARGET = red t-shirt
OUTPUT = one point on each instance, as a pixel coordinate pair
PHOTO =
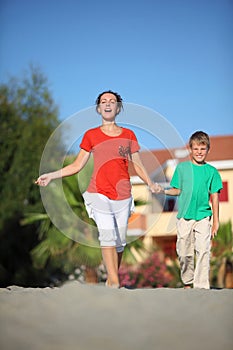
(111, 156)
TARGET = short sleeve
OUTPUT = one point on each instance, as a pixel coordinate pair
(216, 183)
(176, 181)
(86, 143)
(134, 142)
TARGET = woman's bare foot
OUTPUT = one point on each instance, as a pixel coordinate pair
(187, 286)
(107, 284)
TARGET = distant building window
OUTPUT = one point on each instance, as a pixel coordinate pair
(223, 196)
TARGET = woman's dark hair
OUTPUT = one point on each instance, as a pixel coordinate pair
(118, 98)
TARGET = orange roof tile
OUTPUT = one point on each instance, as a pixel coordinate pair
(221, 148)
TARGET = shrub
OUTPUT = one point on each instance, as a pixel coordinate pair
(152, 273)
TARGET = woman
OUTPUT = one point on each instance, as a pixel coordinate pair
(108, 197)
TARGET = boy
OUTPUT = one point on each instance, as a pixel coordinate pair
(194, 181)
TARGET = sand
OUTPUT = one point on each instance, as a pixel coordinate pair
(80, 316)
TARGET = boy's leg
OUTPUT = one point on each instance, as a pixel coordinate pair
(202, 247)
(185, 250)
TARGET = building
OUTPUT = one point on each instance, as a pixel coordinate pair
(155, 220)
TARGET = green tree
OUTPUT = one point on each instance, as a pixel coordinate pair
(28, 117)
(56, 253)
(222, 257)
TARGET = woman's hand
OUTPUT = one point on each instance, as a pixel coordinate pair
(43, 180)
(68, 170)
(156, 188)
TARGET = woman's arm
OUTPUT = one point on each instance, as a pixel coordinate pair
(68, 170)
(154, 187)
(141, 171)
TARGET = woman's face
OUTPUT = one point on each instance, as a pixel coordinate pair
(108, 106)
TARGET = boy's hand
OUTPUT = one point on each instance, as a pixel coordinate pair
(214, 229)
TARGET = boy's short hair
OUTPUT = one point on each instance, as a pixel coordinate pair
(201, 138)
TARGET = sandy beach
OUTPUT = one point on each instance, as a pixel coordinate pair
(79, 317)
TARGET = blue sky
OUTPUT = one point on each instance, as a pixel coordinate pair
(172, 56)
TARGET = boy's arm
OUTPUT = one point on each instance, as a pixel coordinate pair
(215, 209)
(170, 191)
(175, 183)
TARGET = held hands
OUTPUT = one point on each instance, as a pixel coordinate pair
(43, 180)
(156, 188)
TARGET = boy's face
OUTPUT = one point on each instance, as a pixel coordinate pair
(198, 153)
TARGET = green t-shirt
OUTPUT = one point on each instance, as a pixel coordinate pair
(196, 183)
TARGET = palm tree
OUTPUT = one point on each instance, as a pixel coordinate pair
(57, 251)
(222, 258)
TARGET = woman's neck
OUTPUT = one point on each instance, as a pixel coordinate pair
(111, 128)
(108, 124)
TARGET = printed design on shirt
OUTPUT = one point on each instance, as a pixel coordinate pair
(124, 151)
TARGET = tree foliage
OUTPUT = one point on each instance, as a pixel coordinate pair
(56, 253)
(222, 257)
(28, 117)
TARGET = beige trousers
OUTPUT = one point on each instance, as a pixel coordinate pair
(193, 249)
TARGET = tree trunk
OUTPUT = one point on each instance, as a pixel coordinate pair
(91, 275)
(229, 275)
(221, 273)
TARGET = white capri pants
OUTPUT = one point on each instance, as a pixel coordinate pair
(111, 217)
